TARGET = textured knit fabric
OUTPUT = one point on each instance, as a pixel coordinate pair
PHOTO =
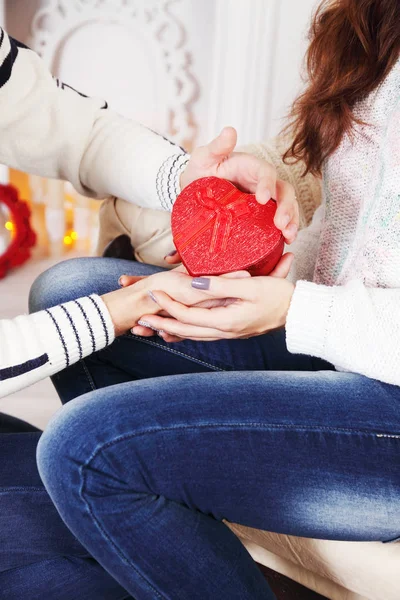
(48, 128)
(348, 311)
(36, 346)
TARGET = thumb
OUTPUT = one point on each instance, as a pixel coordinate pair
(283, 267)
(224, 144)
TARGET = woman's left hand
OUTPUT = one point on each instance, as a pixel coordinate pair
(262, 304)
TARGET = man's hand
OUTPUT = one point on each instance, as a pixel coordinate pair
(247, 172)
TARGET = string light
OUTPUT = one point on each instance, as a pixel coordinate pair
(68, 240)
(9, 226)
(74, 235)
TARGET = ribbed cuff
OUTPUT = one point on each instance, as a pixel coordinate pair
(308, 319)
(168, 179)
(74, 330)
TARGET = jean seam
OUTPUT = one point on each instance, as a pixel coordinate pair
(261, 426)
(22, 489)
(177, 352)
(105, 534)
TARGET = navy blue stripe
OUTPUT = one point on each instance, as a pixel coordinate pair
(167, 140)
(29, 365)
(60, 335)
(88, 324)
(7, 66)
(63, 85)
(102, 320)
(75, 330)
(19, 44)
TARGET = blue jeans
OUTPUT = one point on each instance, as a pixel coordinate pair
(144, 467)
(39, 556)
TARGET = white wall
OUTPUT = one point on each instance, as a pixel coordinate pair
(245, 59)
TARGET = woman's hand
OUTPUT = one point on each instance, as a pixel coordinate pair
(249, 173)
(127, 305)
(262, 304)
(250, 306)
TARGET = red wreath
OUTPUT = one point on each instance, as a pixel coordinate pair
(24, 238)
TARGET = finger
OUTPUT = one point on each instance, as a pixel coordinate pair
(224, 144)
(173, 258)
(217, 318)
(287, 212)
(170, 339)
(223, 287)
(127, 280)
(266, 185)
(236, 275)
(172, 327)
(143, 331)
(283, 267)
(250, 174)
(174, 339)
(217, 150)
(215, 302)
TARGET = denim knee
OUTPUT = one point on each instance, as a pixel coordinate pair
(61, 283)
(77, 440)
(79, 277)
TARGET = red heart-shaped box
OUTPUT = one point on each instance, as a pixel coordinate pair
(218, 229)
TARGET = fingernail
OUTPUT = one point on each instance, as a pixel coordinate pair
(120, 281)
(285, 220)
(292, 229)
(171, 254)
(146, 324)
(268, 194)
(152, 296)
(201, 283)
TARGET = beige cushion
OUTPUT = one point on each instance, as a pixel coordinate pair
(337, 570)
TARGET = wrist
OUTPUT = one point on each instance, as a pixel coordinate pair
(126, 306)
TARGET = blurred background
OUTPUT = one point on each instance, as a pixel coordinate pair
(183, 67)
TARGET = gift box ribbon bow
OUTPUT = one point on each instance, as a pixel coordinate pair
(217, 213)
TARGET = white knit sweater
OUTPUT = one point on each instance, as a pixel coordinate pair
(48, 128)
(348, 309)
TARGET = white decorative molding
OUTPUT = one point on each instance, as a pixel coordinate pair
(244, 59)
(58, 19)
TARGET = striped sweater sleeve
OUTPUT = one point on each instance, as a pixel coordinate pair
(49, 129)
(39, 345)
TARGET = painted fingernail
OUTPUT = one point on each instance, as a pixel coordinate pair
(146, 324)
(201, 283)
(171, 254)
(152, 296)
